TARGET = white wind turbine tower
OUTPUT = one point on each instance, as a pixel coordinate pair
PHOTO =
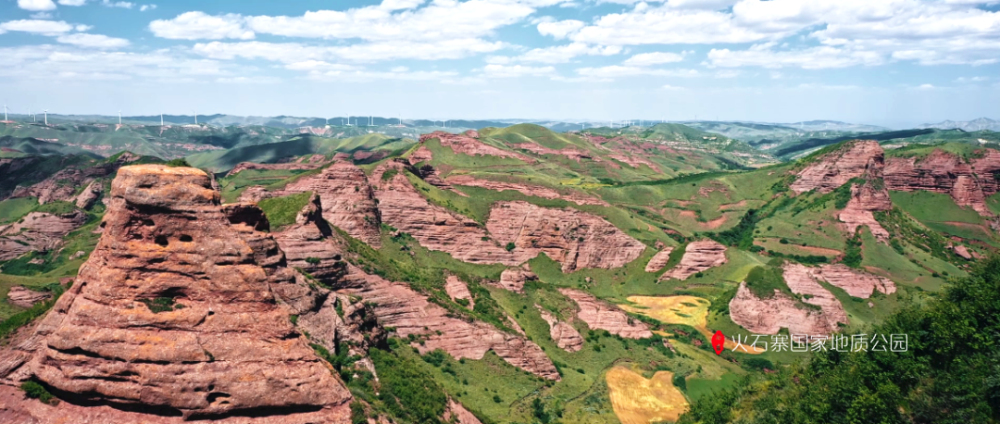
(161, 119)
(119, 116)
(5, 111)
(46, 112)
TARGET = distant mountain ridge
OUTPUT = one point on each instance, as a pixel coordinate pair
(978, 124)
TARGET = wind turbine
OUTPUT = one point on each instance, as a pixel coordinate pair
(5, 111)
(161, 119)
(46, 112)
(119, 116)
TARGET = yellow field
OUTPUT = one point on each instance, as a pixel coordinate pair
(637, 400)
(686, 310)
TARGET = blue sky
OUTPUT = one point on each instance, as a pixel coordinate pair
(887, 62)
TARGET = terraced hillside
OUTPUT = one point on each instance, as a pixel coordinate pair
(514, 274)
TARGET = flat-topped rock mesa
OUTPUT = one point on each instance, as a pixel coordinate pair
(575, 239)
(967, 181)
(37, 232)
(836, 168)
(526, 189)
(600, 315)
(467, 144)
(698, 256)
(172, 315)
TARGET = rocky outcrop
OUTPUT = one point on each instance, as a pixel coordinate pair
(410, 313)
(513, 279)
(569, 152)
(575, 239)
(526, 189)
(962, 251)
(769, 315)
(89, 195)
(26, 298)
(835, 169)
(254, 194)
(856, 283)
(348, 200)
(563, 333)
(62, 185)
(172, 315)
(968, 182)
(434, 227)
(304, 163)
(603, 316)
(457, 289)
(308, 245)
(459, 413)
(659, 260)
(800, 280)
(467, 145)
(698, 256)
(37, 232)
(866, 198)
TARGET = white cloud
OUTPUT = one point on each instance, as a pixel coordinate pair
(198, 26)
(514, 71)
(822, 57)
(727, 73)
(93, 40)
(367, 52)
(618, 71)
(966, 80)
(563, 54)
(41, 15)
(665, 25)
(119, 4)
(70, 63)
(926, 87)
(36, 5)
(247, 80)
(656, 58)
(146, 7)
(72, 2)
(669, 87)
(560, 29)
(83, 28)
(35, 26)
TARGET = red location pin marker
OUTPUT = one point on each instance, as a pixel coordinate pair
(718, 342)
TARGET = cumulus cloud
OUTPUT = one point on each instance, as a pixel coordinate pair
(36, 5)
(72, 2)
(201, 26)
(366, 52)
(618, 71)
(656, 58)
(514, 71)
(821, 57)
(119, 4)
(93, 40)
(36, 26)
(563, 54)
(560, 29)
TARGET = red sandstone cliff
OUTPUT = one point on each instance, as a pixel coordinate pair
(968, 182)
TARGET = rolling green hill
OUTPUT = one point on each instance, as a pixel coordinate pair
(224, 160)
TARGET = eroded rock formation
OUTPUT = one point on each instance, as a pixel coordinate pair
(26, 298)
(172, 315)
(574, 239)
(563, 333)
(659, 260)
(466, 144)
(698, 256)
(600, 315)
(457, 289)
(837, 168)
(866, 198)
(856, 283)
(37, 232)
(769, 315)
(348, 200)
(410, 313)
(967, 182)
(526, 189)
(513, 279)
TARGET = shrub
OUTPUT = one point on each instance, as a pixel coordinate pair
(36, 391)
(510, 246)
(177, 162)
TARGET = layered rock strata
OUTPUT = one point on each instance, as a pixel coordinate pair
(563, 333)
(467, 144)
(348, 200)
(37, 232)
(526, 189)
(172, 315)
(968, 182)
(837, 168)
(659, 260)
(457, 289)
(575, 239)
(600, 315)
(26, 298)
(698, 256)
